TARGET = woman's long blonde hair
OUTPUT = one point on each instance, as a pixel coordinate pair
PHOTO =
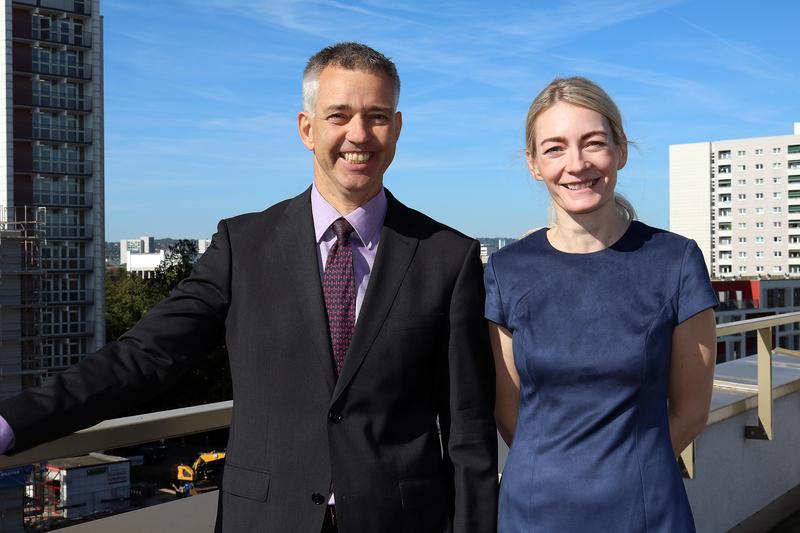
(579, 91)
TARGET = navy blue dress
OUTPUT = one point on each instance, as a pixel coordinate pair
(592, 338)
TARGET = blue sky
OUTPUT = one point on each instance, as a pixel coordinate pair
(201, 98)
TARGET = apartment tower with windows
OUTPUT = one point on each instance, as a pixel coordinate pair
(51, 186)
(740, 200)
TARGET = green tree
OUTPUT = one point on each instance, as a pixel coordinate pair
(129, 297)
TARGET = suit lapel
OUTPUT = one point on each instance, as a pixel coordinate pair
(299, 248)
(395, 251)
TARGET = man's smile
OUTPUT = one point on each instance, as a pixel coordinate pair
(356, 157)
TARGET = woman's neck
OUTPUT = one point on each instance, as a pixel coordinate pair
(588, 232)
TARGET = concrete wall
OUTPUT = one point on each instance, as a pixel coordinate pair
(737, 477)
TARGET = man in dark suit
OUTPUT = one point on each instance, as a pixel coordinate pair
(353, 325)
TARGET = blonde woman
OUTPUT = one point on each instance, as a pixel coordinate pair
(603, 335)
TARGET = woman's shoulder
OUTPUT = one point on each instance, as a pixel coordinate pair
(531, 242)
(657, 237)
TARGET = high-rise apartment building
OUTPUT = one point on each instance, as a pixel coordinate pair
(740, 200)
(51, 175)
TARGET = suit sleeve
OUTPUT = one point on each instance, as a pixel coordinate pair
(466, 414)
(143, 362)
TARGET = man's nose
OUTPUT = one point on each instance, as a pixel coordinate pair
(358, 131)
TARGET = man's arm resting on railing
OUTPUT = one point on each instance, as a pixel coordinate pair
(6, 436)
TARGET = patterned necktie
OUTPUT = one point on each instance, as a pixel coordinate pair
(338, 288)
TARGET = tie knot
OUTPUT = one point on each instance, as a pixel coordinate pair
(343, 229)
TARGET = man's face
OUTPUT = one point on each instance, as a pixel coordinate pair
(353, 133)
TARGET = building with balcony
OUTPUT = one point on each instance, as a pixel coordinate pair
(740, 200)
(755, 298)
(52, 145)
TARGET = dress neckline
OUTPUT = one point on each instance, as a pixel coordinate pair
(625, 235)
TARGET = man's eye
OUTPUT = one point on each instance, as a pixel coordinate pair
(337, 118)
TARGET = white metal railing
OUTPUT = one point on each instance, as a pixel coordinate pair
(762, 388)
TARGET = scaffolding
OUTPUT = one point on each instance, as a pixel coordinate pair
(21, 302)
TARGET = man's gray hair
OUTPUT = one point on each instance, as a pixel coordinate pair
(350, 56)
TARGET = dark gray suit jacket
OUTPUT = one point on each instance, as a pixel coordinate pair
(419, 353)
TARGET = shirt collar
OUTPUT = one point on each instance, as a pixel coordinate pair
(367, 219)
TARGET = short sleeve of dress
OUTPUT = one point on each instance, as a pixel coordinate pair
(494, 310)
(695, 293)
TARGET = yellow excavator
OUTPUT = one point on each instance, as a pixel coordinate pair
(207, 470)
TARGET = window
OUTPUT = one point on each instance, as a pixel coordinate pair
(723, 241)
(777, 238)
(776, 297)
(742, 211)
(776, 150)
(723, 184)
(742, 254)
(776, 164)
(759, 210)
(777, 224)
(724, 154)
(777, 268)
(724, 169)
(759, 181)
(741, 168)
(794, 194)
(795, 178)
(725, 212)
(794, 149)
(742, 269)
(776, 209)
(759, 224)
(759, 268)
(742, 197)
(759, 151)
(777, 253)
(776, 194)
(760, 254)
(794, 208)
(725, 269)
(726, 255)
(742, 240)
(741, 182)
(724, 197)
(776, 179)
(794, 164)
(759, 166)
(742, 225)
(759, 195)
(759, 240)
(741, 152)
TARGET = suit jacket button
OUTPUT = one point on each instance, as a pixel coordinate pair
(335, 417)
(317, 498)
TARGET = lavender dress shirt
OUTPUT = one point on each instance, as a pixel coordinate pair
(367, 220)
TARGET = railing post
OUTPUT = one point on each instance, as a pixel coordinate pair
(687, 461)
(763, 430)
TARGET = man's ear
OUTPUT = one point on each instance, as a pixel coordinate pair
(398, 118)
(305, 130)
(532, 166)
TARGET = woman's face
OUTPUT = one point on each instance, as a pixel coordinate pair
(576, 157)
